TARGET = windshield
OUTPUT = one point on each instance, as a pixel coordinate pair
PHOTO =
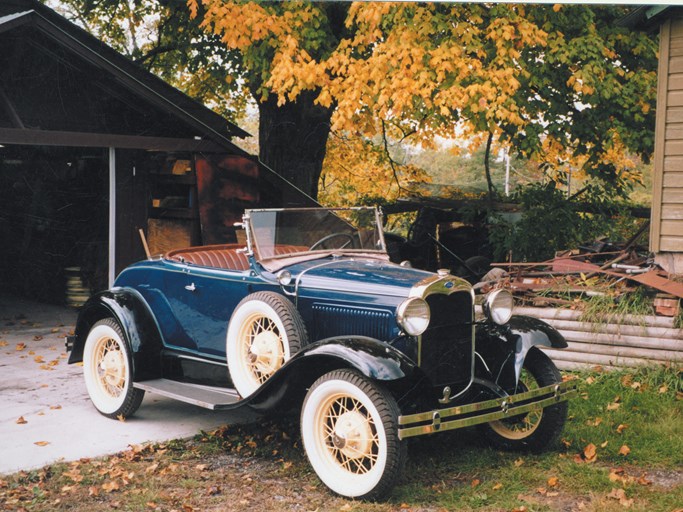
(281, 233)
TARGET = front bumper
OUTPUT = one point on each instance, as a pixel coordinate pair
(461, 416)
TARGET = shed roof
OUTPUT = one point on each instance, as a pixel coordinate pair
(139, 103)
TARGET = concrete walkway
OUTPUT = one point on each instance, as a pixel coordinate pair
(45, 413)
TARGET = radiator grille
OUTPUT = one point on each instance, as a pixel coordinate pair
(446, 349)
(330, 320)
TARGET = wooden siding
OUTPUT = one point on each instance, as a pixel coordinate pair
(667, 210)
(636, 341)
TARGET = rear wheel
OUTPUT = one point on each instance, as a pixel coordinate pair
(349, 428)
(107, 371)
(540, 427)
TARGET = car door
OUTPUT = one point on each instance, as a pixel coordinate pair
(204, 300)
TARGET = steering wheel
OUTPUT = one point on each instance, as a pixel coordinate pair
(330, 237)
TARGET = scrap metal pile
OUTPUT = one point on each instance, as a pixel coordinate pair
(598, 269)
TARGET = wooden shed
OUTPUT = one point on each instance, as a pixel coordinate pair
(93, 148)
(666, 228)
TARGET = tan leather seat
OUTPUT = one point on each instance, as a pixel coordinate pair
(216, 256)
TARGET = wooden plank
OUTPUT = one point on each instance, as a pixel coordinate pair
(672, 195)
(673, 164)
(673, 115)
(675, 98)
(674, 131)
(104, 140)
(673, 148)
(570, 314)
(619, 351)
(676, 27)
(672, 212)
(600, 359)
(676, 80)
(623, 341)
(671, 244)
(672, 227)
(676, 65)
(673, 179)
(627, 335)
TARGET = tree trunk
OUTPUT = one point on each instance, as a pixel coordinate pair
(293, 138)
(487, 167)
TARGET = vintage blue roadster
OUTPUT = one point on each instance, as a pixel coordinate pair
(309, 314)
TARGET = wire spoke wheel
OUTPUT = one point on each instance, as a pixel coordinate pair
(538, 428)
(265, 331)
(522, 425)
(107, 371)
(350, 433)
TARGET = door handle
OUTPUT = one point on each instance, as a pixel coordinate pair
(190, 287)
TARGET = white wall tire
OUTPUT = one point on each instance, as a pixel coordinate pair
(349, 429)
(107, 371)
(265, 331)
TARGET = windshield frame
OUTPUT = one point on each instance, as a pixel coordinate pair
(253, 243)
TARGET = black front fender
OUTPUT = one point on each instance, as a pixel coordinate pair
(372, 358)
(504, 348)
(139, 328)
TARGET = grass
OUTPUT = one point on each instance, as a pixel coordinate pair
(262, 465)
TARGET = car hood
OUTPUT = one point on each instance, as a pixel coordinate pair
(357, 275)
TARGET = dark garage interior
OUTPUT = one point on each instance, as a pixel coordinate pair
(94, 149)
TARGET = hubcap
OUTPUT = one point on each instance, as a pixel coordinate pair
(353, 435)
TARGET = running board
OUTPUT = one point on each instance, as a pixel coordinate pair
(204, 396)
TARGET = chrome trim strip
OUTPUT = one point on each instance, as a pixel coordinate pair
(506, 407)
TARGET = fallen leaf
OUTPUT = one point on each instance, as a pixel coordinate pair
(621, 428)
(519, 462)
(590, 453)
(55, 407)
(542, 491)
(20, 347)
(121, 418)
(613, 406)
(636, 386)
(498, 487)
(620, 495)
(151, 504)
(21, 421)
(110, 486)
(590, 380)
(475, 482)
(201, 467)
(663, 389)
(152, 468)
(604, 445)
(553, 481)
(624, 450)
(39, 359)
(3, 343)
(37, 337)
(41, 443)
(93, 491)
(594, 423)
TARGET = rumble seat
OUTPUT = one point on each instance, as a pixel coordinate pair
(230, 257)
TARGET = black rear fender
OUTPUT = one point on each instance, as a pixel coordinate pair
(129, 309)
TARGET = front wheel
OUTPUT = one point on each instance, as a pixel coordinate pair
(540, 427)
(107, 371)
(349, 429)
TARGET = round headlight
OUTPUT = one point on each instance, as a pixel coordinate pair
(413, 316)
(284, 277)
(498, 306)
